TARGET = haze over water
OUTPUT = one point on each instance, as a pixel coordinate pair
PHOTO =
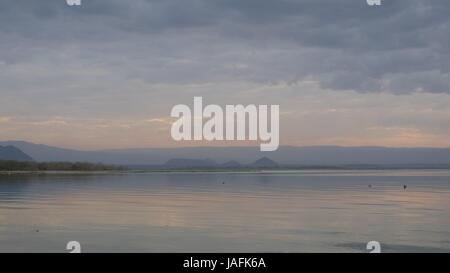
(301, 211)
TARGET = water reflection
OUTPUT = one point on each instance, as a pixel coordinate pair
(196, 212)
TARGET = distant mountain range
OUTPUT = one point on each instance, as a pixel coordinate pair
(14, 154)
(185, 163)
(182, 163)
(242, 156)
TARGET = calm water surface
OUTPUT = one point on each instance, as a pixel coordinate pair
(308, 211)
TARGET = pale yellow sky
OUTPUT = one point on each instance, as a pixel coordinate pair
(311, 117)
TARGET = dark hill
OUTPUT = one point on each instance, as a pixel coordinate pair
(182, 163)
(265, 163)
(14, 154)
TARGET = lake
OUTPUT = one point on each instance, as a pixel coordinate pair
(298, 211)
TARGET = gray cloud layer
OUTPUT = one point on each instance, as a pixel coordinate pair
(106, 74)
(401, 47)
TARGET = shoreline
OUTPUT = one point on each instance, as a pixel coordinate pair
(216, 171)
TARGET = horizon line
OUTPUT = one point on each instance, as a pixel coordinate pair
(227, 147)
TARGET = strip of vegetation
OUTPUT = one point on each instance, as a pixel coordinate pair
(8, 165)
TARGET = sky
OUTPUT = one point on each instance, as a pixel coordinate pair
(107, 74)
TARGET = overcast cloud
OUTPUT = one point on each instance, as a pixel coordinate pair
(119, 59)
